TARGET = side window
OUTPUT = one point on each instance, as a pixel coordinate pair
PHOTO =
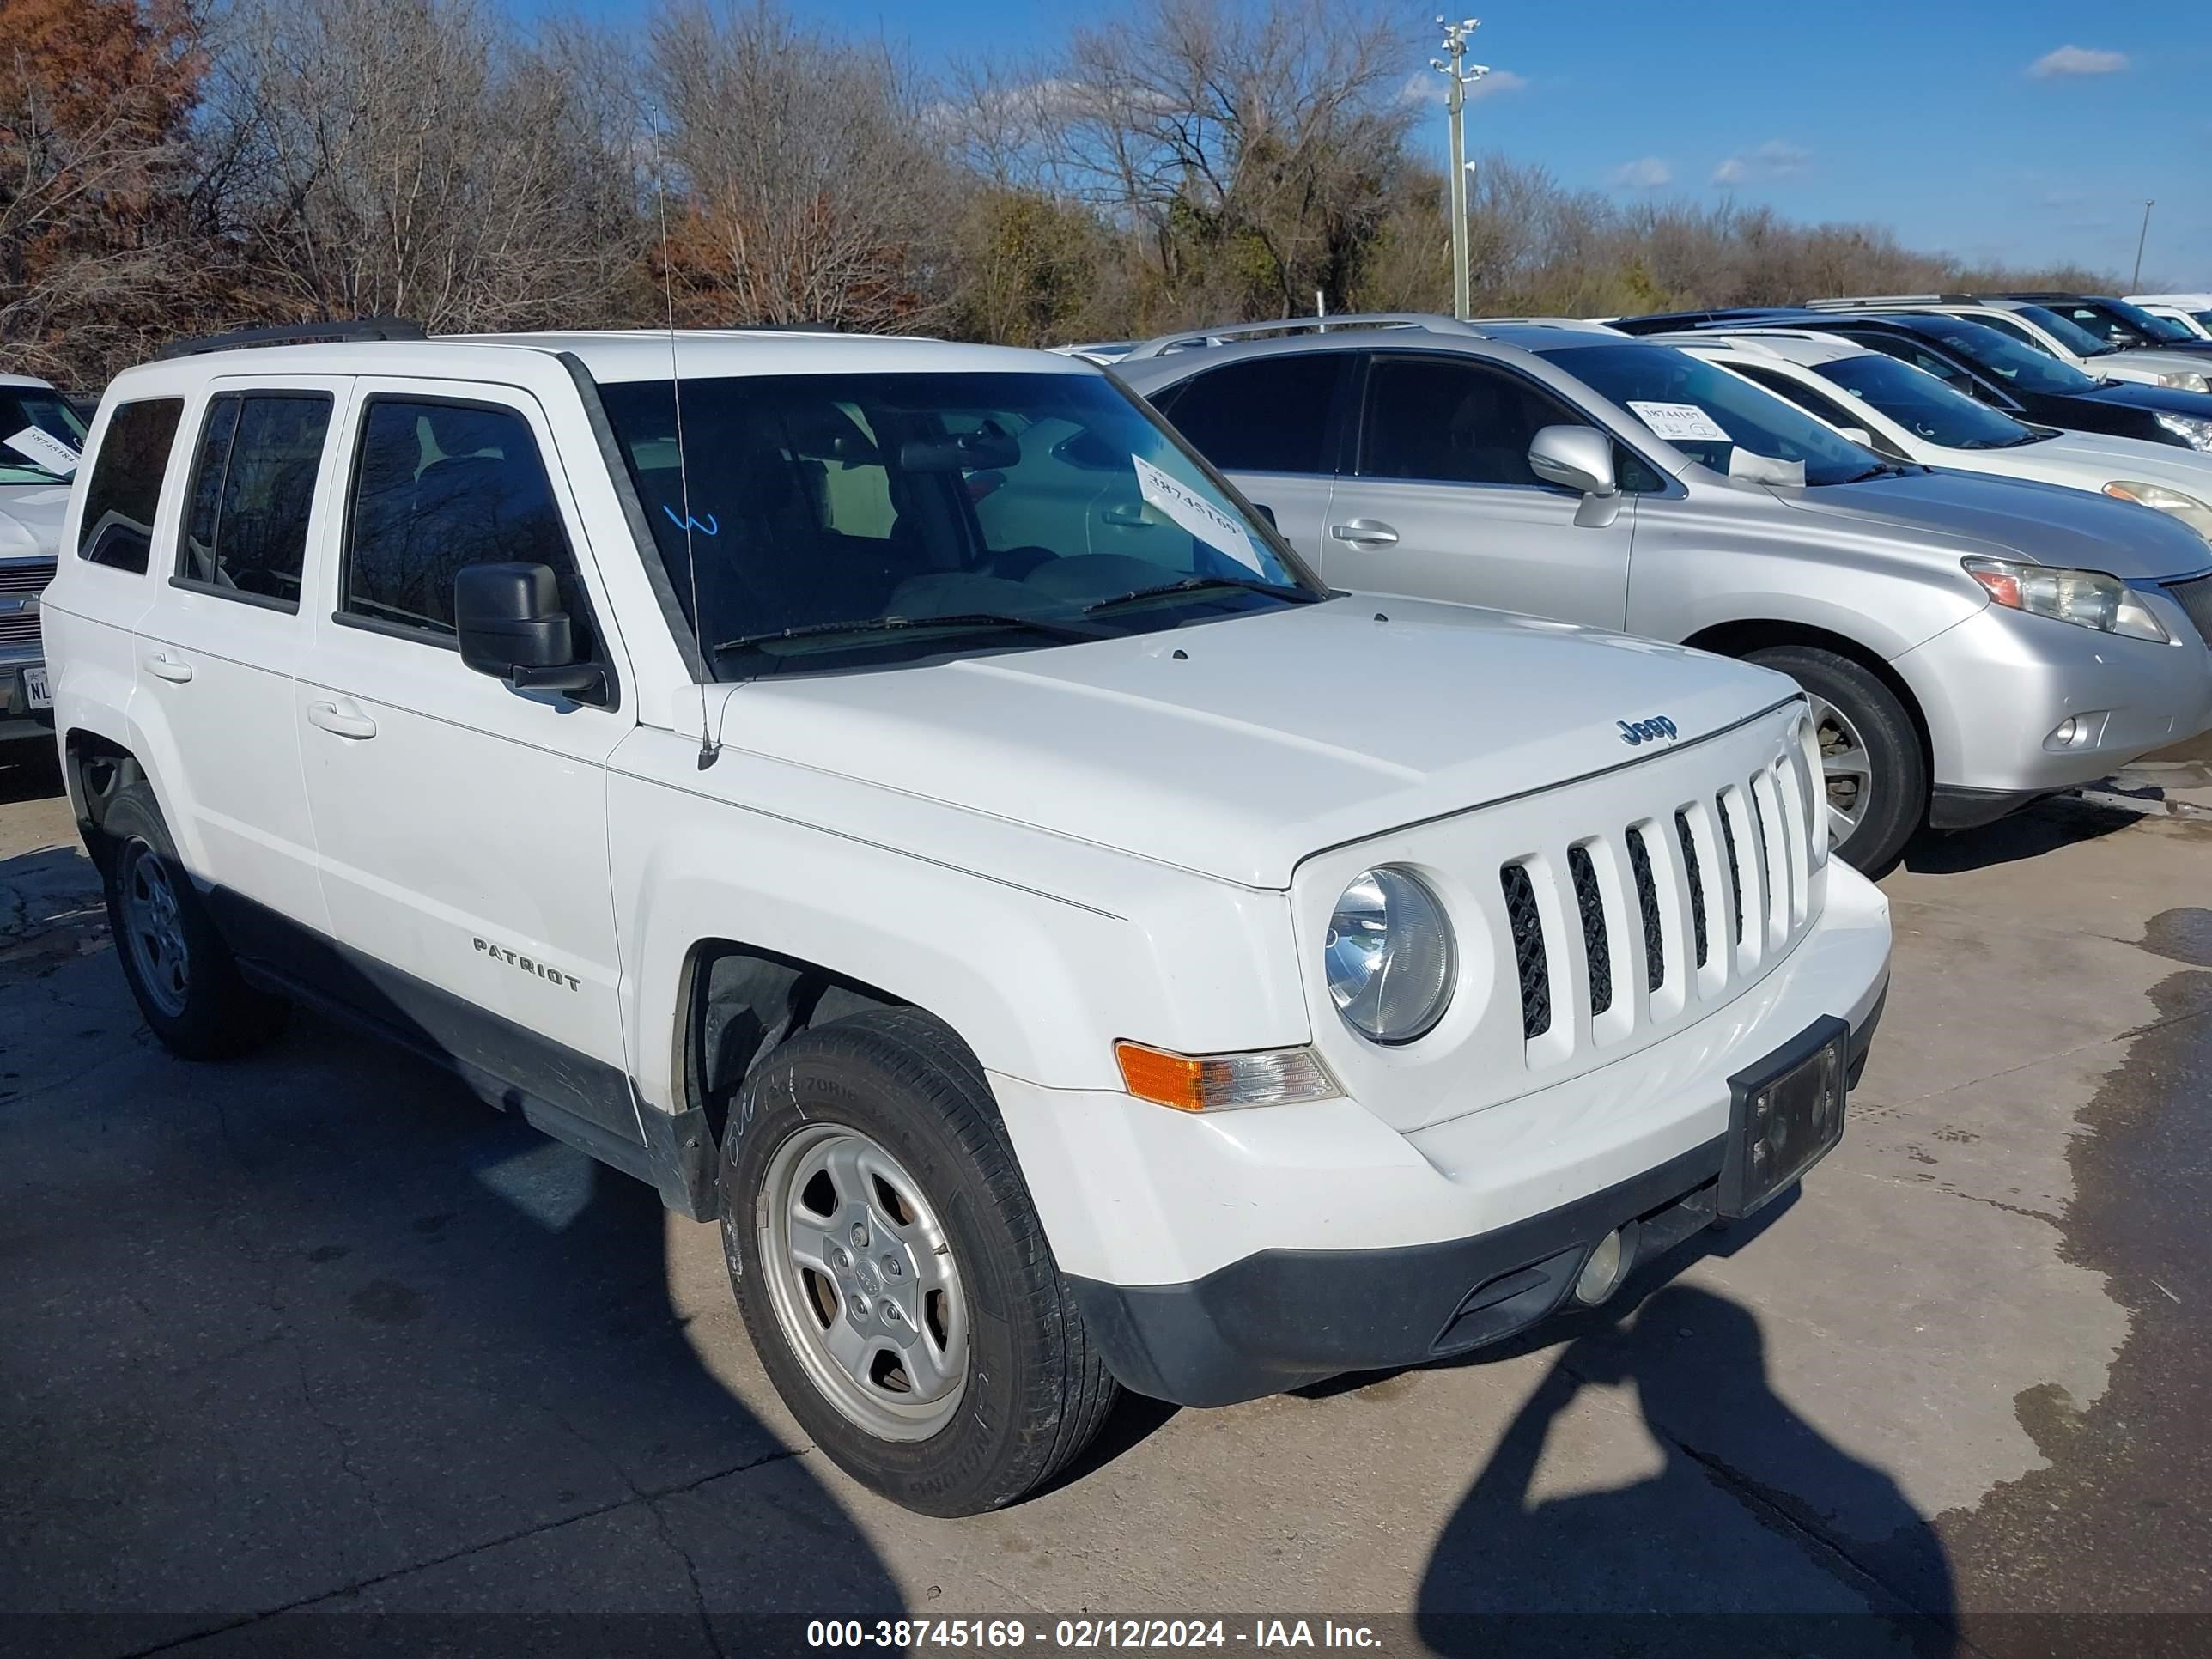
(2004, 325)
(253, 485)
(438, 486)
(125, 486)
(1264, 415)
(1449, 419)
(1907, 352)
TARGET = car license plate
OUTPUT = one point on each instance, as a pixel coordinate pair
(1786, 1117)
(34, 689)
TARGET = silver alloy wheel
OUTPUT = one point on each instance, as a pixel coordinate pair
(863, 1281)
(153, 929)
(1845, 768)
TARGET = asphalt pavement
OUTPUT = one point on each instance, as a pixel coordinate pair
(312, 1353)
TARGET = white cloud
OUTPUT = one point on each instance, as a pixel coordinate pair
(1646, 173)
(1427, 87)
(2077, 60)
(1773, 160)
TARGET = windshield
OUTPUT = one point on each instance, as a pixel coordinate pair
(1708, 413)
(859, 520)
(2016, 364)
(32, 419)
(2068, 332)
(1923, 405)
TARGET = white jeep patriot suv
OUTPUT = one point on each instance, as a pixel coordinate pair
(899, 800)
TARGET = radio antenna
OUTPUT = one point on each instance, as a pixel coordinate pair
(710, 745)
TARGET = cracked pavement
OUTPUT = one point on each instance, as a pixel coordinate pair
(314, 1352)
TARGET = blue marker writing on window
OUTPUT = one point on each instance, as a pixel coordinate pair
(712, 527)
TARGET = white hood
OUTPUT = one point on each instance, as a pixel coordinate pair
(31, 519)
(1238, 748)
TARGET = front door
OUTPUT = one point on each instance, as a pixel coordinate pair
(1270, 423)
(1440, 502)
(461, 824)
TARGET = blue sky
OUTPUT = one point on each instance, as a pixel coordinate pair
(2019, 130)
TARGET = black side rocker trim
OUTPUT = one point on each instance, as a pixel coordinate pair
(1953, 807)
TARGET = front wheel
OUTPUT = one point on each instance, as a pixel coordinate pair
(892, 1271)
(1873, 768)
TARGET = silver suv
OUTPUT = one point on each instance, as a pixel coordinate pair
(1969, 643)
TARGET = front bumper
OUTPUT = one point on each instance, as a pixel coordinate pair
(1285, 1318)
(1995, 689)
(1218, 1259)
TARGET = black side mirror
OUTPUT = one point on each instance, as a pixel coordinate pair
(512, 627)
(1267, 512)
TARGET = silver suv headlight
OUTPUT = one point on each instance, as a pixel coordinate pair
(2186, 507)
(1390, 956)
(2088, 598)
(2194, 431)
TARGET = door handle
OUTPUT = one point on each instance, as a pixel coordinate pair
(345, 719)
(163, 666)
(1364, 532)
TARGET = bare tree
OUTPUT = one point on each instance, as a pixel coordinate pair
(807, 184)
(405, 156)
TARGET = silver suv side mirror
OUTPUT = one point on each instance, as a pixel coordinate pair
(1578, 458)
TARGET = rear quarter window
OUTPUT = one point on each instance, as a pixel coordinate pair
(117, 528)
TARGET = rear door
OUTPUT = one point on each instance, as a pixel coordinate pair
(1271, 424)
(461, 824)
(1440, 502)
(218, 650)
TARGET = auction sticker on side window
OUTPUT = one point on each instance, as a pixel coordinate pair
(1195, 513)
(1681, 421)
(44, 448)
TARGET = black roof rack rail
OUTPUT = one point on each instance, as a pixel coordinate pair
(330, 333)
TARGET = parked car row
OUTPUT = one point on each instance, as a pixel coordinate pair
(1568, 469)
(1071, 927)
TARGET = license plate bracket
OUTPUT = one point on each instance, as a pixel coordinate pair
(1785, 1114)
(36, 692)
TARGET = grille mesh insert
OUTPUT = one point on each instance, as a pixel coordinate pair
(2196, 599)
(1528, 950)
(1647, 900)
(1697, 885)
(1736, 870)
(1591, 903)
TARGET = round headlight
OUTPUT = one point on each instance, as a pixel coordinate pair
(1389, 952)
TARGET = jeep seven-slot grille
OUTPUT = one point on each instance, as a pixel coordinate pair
(2196, 597)
(1766, 877)
(1528, 950)
(1647, 901)
(1596, 946)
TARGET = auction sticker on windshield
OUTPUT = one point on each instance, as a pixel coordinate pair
(1674, 421)
(1195, 513)
(44, 448)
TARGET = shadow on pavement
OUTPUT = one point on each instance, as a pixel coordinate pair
(314, 1352)
(29, 770)
(1842, 1564)
(2043, 828)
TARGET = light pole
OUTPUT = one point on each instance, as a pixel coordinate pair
(1461, 75)
(2135, 282)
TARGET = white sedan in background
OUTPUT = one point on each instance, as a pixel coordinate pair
(2192, 311)
(1908, 415)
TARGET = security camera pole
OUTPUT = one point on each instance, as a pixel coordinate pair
(1461, 75)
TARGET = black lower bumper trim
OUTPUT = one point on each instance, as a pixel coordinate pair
(1951, 806)
(1280, 1319)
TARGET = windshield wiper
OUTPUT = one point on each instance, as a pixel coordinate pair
(1199, 584)
(961, 622)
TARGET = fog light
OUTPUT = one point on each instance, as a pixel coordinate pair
(1602, 1275)
(2063, 733)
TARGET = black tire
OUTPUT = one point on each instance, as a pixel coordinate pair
(205, 1010)
(1897, 763)
(1036, 1391)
